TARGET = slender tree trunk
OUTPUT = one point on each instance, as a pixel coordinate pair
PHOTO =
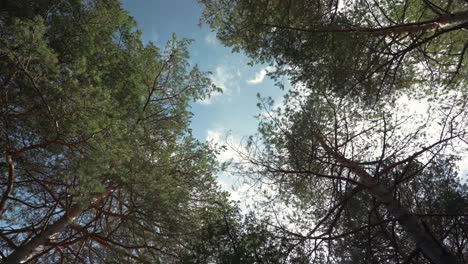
(11, 181)
(40, 242)
(442, 22)
(430, 247)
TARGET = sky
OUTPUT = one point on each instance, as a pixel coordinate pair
(231, 113)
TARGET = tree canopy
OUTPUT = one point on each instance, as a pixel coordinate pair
(100, 166)
(366, 186)
(368, 49)
(99, 163)
(368, 180)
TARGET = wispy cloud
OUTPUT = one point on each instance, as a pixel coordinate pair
(221, 137)
(231, 183)
(153, 36)
(260, 76)
(225, 77)
(210, 38)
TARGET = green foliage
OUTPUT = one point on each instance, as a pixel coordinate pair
(369, 50)
(88, 109)
(351, 67)
(243, 239)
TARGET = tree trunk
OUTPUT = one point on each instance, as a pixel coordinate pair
(40, 242)
(430, 247)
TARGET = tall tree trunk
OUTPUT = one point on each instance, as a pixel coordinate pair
(11, 181)
(434, 250)
(40, 242)
(446, 21)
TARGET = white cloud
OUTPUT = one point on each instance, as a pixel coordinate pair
(210, 38)
(225, 77)
(246, 195)
(220, 137)
(214, 136)
(260, 76)
(228, 181)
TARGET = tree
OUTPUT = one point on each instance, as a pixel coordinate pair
(338, 151)
(370, 49)
(99, 165)
(243, 238)
(367, 186)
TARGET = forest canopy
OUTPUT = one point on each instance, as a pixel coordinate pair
(360, 163)
(99, 165)
(369, 178)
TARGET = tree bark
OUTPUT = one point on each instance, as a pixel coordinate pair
(40, 242)
(421, 236)
(11, 181)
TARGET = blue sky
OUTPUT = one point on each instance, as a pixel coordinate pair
(229, 113)
(235, 108)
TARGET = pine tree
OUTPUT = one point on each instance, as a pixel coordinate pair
(99, 164)
(367, 49)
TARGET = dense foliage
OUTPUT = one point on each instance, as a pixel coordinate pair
(366, 49)
(99, 164)
(365, 177)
